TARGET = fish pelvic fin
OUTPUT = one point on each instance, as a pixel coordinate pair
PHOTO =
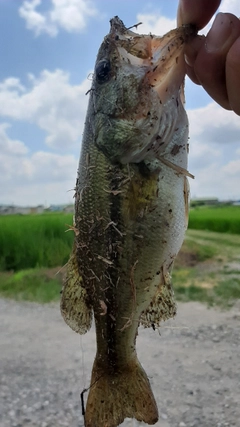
(162, 307)
(74, 305)
(123, 394)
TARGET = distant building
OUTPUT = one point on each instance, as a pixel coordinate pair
(204, 201)
(20, 210)
(60, 208)
(55, 208)
(69, 209)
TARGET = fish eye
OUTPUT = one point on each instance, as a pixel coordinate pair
(103, 70)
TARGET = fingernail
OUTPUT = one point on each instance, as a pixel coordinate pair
(188, 60)
(219, 33)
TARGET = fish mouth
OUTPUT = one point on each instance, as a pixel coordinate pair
(162, 56)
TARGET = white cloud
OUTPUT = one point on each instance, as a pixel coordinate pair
(34, 178)
(70, 15)
(230, 6)
(214, 159)
(51, 102)
(214, 156)
(155, 24)
(8, 146)
(232, 168)
(13, 84)
(50, 167)
(159, 25)
(202, 155)
(12, 153)
(215, 181)
(213, 124)
(35, 20)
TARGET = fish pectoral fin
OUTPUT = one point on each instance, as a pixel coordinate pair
(162, 307)
(126, 393)
(75, 308)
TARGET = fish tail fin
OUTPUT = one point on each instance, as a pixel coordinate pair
(124, 394)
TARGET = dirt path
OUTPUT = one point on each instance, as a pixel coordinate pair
(194, 367)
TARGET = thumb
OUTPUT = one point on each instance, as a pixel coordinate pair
(197, 12)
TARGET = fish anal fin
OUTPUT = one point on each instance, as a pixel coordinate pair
(124, 394)
(162, 307)
(75, 308)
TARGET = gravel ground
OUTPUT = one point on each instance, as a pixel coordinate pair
(193, 367)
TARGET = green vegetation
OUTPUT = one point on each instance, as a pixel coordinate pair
(30, 241)
(207, 268)
(223, 219)
(34, 247)
(223, 294)
(30, 285)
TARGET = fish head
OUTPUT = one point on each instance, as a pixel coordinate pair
(137, 91)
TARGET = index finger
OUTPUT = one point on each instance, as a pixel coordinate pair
(197, 12)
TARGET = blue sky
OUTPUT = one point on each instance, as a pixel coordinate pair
(48, 49)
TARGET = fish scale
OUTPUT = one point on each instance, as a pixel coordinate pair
(131, 209)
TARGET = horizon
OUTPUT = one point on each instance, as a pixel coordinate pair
(49, 55)
(192, 199)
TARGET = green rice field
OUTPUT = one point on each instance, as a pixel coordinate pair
(35, 248)
(223, 219)
(31, 241)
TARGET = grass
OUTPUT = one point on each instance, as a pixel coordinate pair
(207, 268)
(192, 293)
(224, 294)
(223, 219)
(30, 285)
(31, 241)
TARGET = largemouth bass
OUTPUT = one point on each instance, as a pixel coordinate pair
(131, 213)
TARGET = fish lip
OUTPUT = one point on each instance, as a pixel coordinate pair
(117, 26)
(162, 57)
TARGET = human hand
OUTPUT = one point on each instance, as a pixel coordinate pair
(213, 61)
